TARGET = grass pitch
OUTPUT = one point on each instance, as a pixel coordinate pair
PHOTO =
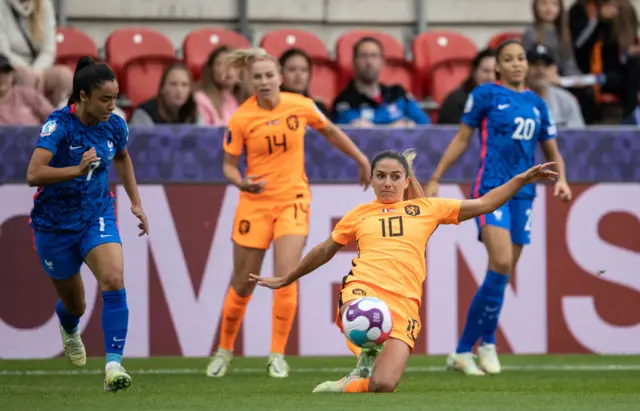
(563, 383)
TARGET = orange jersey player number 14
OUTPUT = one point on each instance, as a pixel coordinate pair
(273, 141)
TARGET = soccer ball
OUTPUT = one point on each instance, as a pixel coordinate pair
(367, 322)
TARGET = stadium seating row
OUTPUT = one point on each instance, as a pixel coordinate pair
(138, 56)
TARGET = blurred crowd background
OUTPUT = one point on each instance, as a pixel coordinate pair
(366, 62)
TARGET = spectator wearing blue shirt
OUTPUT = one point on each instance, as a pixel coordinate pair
(365, 102)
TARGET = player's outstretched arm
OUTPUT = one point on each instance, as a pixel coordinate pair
(454, 150)
(342, 142)
(317, 257)
(497, 197)
(39, 173)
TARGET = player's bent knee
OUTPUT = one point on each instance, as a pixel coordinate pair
(382, 385)
(501, 266)
(76, 308)
(242, 287)
(112, 282)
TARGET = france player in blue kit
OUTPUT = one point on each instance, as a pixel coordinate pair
(512, 121)
(73, 216)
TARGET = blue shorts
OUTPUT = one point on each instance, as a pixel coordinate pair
(515, 216)
(62, 253)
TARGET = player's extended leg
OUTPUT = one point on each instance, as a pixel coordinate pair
(482, 318)
(106, 262)
(287, 254)
(69, 308)
(245, 261)
(520, 213)
(61, 260)
(366, 356)
(385, 377)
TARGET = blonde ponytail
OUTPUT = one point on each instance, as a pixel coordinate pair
(414, 190)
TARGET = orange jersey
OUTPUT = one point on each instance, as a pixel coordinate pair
(273, 142)
(392, 239)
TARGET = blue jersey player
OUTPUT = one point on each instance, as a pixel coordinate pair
(73, 216)
(512, 121)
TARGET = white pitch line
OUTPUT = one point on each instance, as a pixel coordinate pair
(193, 371)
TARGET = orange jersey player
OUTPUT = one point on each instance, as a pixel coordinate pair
(392, 232)
(275, 197)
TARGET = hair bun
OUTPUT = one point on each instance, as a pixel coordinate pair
(83, 62)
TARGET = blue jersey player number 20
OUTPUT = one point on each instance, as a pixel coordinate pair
(511, 122)
(73, 216)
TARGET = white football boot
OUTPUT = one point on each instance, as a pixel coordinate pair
(336, 386)
(488, 359)
(116, 377)
(277, 366)
(464, 363)
(219, 363)
(74, 347)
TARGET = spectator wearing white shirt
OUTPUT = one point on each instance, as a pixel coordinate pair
(27, 38)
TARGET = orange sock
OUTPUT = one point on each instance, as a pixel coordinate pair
(232, 316)
(354, 348)
(359, 385)
(285, 304)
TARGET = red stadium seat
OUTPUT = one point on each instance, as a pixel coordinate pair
(324, 78)
(397, 70)
(138, 56)
(495, 41)
(443, 60)
(71, 44)
(200, 43)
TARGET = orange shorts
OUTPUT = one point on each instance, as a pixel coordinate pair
(258, 222)
(405, 311)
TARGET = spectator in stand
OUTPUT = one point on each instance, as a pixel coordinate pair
(220, 91)
(20, 105)
(27, 38)
(365, 102)
(551, 28)
(563, 106)
(296, 75)
(483, 70)
(175, 102)
(604, 34)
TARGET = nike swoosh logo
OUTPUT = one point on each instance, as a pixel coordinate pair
(118, 339)
(74, 147)
(503, 106)
(106, 235)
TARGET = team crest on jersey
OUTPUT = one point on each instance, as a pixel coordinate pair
(244, 227)
(359, 292)
(293, 123)
(469, 104)
(48, 128)
(412, 210)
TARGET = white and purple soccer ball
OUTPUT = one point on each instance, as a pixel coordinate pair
(367, 322)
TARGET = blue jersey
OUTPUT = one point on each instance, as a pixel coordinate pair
(74, 204)
(394, 104)
(511, 124)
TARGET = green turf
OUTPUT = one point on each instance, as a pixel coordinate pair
(563, 383)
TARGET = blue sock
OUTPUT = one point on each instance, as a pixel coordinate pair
(115, 321)
(482, 318)
(68, 321)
